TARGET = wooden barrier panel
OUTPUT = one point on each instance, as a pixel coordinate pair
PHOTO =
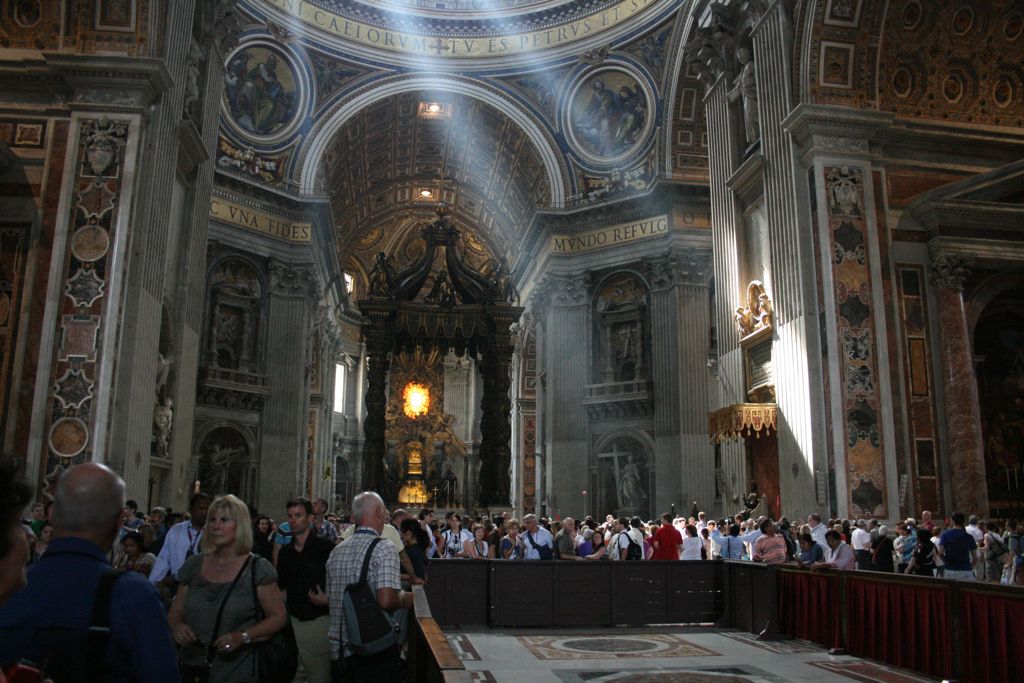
(505, 593)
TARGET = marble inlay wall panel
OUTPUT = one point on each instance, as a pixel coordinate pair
(925, 466)
(70, 425)
(857, 339)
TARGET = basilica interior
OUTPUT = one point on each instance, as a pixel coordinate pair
(553, 256)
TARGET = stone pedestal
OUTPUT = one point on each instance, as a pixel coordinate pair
(963, 416)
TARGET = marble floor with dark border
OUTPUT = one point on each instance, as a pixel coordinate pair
(655, 654)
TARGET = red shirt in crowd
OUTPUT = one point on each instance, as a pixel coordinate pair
(668, 539)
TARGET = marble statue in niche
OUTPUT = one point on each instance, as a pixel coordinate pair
(163, 422)
(633, 494)
(745, 89)
(221, 462)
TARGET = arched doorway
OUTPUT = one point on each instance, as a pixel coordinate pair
(622, 478)
(999, 369)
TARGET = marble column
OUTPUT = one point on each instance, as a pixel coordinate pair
(668, 385)
(566, 357)
(802, 446)
(963, 416)
(285, 418)
(378, 345)
(495, 425)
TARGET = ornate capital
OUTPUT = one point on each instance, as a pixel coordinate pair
(712, 49)
(691, 268)
(218, 22)
(562, 290)
(289, 280)
(948, 271)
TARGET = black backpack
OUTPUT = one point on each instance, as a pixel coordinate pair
(62, 667)
(369, 628)
(634, 551)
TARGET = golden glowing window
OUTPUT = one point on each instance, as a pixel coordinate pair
(416, 400)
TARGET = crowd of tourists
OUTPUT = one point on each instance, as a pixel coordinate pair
(961, 548)
(217, 593)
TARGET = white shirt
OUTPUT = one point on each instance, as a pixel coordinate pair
(976, 533)
(180, 543)
(860, 539)
(453, 543)
(541, 537)
(818, 534)
(691, 548)
(612, 553)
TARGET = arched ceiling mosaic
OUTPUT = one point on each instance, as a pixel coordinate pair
(398, 157)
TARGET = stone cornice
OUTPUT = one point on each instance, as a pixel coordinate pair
(834, 130)
(83, 82)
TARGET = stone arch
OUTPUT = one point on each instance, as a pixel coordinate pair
(996, 326)
(986, 292)
(225, 471)
(618, 456)
(314, 149)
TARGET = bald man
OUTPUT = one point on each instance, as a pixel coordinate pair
(47, 622)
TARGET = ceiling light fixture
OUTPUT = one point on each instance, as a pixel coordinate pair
(426, 194)
(433, 110)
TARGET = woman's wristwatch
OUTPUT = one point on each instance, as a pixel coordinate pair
(245, 638)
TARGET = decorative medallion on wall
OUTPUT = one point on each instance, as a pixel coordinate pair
(84, 287)
(609, 114)
(90, 242)
(263, 92)
(68, 437)
(73, 389)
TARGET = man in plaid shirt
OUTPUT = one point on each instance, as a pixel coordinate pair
(343, 567)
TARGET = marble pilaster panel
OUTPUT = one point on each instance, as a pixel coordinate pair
(565, 337)
(963, 413)
(285, 418)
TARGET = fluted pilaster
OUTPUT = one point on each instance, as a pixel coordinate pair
(565, 338)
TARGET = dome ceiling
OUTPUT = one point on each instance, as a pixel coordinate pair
(399, 156)
(451, 34)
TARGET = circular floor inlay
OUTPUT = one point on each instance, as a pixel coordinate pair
(611, 645)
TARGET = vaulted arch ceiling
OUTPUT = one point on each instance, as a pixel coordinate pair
(384, 159)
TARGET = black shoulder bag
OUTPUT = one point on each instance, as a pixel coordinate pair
(277, 659)
(544, 551)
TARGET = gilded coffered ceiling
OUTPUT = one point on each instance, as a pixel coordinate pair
(399, 156)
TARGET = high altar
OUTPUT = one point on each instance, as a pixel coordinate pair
(410, 446)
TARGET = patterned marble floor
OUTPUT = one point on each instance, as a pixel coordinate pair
(655, 655)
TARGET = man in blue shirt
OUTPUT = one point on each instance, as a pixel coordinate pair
(47, 622)
(957, 548)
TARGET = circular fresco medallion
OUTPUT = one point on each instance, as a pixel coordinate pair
(261, 90)
(68, 437)
(609, 115)
(90, 243)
